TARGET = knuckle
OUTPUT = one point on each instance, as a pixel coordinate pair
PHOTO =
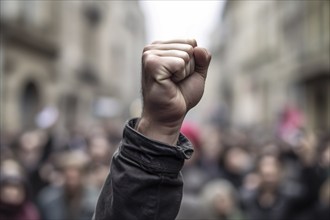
(146, 48)
(190, 49)
(150, 62)
(181, 64)
(186, 57)
(145, 54)
(192, 42)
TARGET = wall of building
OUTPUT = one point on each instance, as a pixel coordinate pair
(68, 54)
(269, 53)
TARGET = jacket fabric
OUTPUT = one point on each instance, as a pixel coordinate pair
(145, 181)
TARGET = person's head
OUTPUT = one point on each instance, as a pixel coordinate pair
(13, 188)
(269, 171)
(191, 131)
(211, 141)
(72, 165)
(100, 149)
(269, 148)
(219, 198)
(30, 149)
(236, 160)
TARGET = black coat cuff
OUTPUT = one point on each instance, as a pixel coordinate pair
(152, 155)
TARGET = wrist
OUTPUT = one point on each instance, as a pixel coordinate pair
(166, 133)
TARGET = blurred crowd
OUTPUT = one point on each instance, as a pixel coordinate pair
(44, 176)
(233, 174)
(238, 174)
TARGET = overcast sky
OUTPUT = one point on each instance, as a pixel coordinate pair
(184, 19)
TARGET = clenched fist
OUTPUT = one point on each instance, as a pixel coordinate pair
(173, 78)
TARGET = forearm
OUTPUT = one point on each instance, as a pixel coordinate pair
(144, 180)
(168, 134)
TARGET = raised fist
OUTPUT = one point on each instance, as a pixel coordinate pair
(173, 78)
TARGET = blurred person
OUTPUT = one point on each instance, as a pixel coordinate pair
(235, 162)
(220, 201)
(113, 129)
(322, 209)
(212, 150)
(290, 123)
(100, 150)
(145, 180)
(73, 199)
(191, 207)
(192, 132)
(77, 139)
(44, 172)
(195, 176)
(267, 201)
(6, 152)
(274, 198)
(32, 151)
(323, 156)
(15, 200)
(200, 169)
(46, 121)
(315, 166)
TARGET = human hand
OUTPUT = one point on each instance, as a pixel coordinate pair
(173, 78)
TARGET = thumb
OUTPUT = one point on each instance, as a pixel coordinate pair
(202, 60)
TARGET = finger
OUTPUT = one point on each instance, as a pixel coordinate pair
(188, 70)
(175, 46)
(179, 72)
(190, 67)
(175, 68)
(170, 53)
(191, 42)
(202, 60)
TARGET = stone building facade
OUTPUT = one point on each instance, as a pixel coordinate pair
(72, 55)
(271, 53)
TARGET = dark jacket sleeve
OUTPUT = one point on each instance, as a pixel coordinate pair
(145, 180)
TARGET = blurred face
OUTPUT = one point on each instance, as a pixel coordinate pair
(211, 144)
(30, 149)
(12, 194)
(73, 177)
(100, 150)
(251, 181)
(223, 203)
(237, 160)
(269, 172)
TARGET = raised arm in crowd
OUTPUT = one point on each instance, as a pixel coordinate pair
(145, 180)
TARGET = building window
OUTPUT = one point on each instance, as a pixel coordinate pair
(93, 13)
(30, 103)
